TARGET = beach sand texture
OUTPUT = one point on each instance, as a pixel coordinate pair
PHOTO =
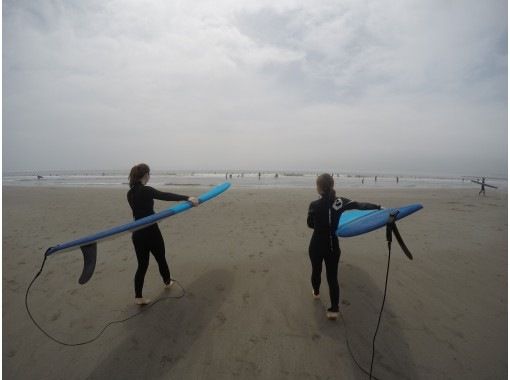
(248, 311)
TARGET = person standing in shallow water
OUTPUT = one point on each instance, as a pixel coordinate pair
(323, 217)
(149, 239)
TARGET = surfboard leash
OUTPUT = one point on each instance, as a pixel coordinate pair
(391, 229)
(143, 309)
(369, 373)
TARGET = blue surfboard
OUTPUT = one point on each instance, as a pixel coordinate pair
(357, 222)
(88, 244)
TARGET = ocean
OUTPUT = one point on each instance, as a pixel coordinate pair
(161, 179)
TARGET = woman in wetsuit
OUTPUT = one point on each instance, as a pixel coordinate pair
(323, 217)
(149, 239)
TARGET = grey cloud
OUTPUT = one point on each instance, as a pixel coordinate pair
(422, 84)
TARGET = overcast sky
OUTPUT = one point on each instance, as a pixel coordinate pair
(374, 86)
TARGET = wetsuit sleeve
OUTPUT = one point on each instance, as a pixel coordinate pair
(163, 196)
(353, 205)
(309, 220)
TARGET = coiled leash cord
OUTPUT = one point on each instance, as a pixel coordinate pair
(145, 308)
(391, 229)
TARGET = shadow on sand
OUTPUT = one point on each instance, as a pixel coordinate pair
(361, 300)
(165, 334)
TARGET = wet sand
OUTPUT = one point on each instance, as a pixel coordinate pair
(248, 311)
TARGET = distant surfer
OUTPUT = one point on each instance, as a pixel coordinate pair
(323, 217)
(482, 190)
(259, 176)
(149, 239)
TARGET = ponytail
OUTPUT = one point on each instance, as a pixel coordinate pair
(137, 172)
(325, 184)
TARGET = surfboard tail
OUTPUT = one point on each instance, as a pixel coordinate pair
(358, 222)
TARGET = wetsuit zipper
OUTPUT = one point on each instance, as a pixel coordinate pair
(329, 232)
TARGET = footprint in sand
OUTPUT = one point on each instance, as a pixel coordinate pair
(165, 360)
(13, 285)
(134, 341)
(221, 318)
(191, 332)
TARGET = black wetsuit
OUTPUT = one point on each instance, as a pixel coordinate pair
(323, 217)
(149, 239)
(482, 190)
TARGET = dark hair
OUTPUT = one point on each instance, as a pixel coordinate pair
(137, 172)
(325, 184)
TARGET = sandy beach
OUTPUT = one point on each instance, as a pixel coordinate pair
(248, 311)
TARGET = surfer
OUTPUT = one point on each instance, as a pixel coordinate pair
(149, 239)
(482, 190)
(323, 217)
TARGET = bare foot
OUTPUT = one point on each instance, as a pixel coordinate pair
(170, 284)
(142, 301)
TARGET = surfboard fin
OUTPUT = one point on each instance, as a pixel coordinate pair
(401, 242)
(391, 229)
(89, 262)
